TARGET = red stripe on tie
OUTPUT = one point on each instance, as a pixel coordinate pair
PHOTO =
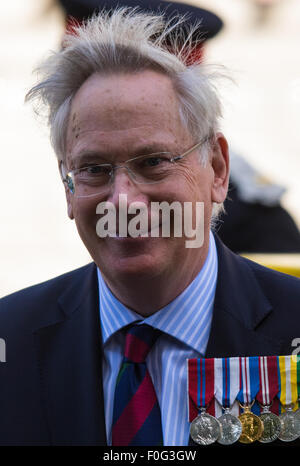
(135, 413)
(135, 349)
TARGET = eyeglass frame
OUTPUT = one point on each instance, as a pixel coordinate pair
(71, 173)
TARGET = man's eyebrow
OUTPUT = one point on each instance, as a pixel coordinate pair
(107, 157)
(91, 156)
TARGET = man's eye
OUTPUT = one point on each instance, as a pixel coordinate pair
(97, 170)
(155, 161)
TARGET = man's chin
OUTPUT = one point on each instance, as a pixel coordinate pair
(127, 267)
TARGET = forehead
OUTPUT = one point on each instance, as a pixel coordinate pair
(103, 96)
(119, 109)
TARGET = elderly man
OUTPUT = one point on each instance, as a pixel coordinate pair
(98, 356)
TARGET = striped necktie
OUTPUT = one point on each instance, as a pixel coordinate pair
(136, 418)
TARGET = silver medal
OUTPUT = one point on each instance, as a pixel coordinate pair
(272, 426)
(205, 429)
(290, 425)
(231, 428)
(297, 414)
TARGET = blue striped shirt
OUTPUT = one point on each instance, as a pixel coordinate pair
(186, 325)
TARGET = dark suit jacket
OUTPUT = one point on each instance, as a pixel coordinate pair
(51, 383)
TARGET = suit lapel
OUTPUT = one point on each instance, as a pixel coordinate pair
(239, 309)
(70, 364)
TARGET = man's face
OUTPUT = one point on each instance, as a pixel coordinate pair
(116, 118)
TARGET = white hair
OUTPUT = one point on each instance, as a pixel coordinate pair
(127, 40)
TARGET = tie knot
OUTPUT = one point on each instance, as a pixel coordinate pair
(139, 341)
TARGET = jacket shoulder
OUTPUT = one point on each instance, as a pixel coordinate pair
(244, 283)
(276, 282)
(32, 299)
(283, 293)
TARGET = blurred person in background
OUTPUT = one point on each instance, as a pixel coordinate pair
(92, 355)
(254, 220)
(263, 10)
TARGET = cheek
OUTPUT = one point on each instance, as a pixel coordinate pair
(194, 183)
(85, 216)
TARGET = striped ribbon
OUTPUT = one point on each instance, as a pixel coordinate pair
(269, 382)
(288, 370)
(249, 379)
(227, 380)
(205, 376)
(201, 386)
(298, 376)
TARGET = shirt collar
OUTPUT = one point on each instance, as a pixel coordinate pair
(183, 318)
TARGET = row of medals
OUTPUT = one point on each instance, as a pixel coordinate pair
(247, 428)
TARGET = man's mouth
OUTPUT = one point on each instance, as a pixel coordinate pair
(151, 232)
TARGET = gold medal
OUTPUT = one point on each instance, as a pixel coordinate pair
(252, 426)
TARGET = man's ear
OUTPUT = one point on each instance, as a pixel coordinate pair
(69, 196)
(220, 165)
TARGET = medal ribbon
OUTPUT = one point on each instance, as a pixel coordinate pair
(249, 379)
(205, 382)
(201, 385)
(269, 383)
(227, 380)
(288, 380)
(298, 376)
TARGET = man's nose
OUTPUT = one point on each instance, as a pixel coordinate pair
(122, 183)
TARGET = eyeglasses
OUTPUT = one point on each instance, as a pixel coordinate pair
(145, 169)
